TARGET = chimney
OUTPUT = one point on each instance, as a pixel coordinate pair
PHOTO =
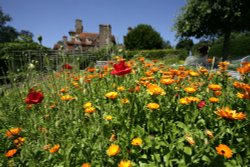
(78, 26)
(104, 35)
(65, 40)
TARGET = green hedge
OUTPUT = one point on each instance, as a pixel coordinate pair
(156, 54)
(239, 47)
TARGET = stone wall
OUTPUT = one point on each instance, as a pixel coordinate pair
(105, 36)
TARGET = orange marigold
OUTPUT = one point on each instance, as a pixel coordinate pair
(136, 141)
(224, 150)
(11, 153)
(86, 165)
(227, 113)
(213, 99)
(190, 89)
(167, 81)
(154, 89)
(214, 87)
(89, 110)
(153, 106)
(13, 132)
(55, 148)
(111, 95)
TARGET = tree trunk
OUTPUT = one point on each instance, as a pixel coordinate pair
(226, 45)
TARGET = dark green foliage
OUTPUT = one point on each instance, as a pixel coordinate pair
(143, 37)
(156, 54)
(239, 46)
(185, 44)
(206, 18)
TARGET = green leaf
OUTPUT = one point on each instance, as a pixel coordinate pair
(188, 150)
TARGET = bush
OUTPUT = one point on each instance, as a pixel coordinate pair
(143, 37)
(156, 54)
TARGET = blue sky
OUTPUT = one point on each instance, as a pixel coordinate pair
(54, 18)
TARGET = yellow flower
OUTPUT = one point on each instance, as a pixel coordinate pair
(86, 165)
(189, 89)
(153, 106)
(19, 141)
(13, 132)
(209, 133)
(121, 88)
(87, 105)
(190, 140)
(111, 95)
(125, 163)
(89, 110)
(224, 150)
(136, 141)
(108, 117)
(227, 113)
(213, 99)
(194, 74)
(154, 89)
(184, 101)
(124, 101)
(11, 153)
(113, 150)
(67, 98)
(55, 148)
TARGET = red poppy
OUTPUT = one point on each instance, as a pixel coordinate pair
(34, 97)
(67, 66)
(201, 104)
(121, 69)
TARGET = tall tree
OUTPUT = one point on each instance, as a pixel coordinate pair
(186, 44)
(209, 18)
(142, 37)
(7, 33)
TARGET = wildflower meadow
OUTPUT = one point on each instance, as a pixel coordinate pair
(136, 112)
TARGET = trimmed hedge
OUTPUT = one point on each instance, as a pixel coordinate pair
(156, 54)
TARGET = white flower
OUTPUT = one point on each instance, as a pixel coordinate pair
(31, 66)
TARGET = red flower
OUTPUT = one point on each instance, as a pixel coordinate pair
(67, 66)
(121, 69)
(201, 104)
(34, 97)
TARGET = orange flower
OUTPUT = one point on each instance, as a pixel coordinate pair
(184, 101)
(86, 165)
(125, 163)
(136, 141)
(89, 110)
(213, 99)
(244, 69)
(19, 141)
(214, 87)
(209, 133)
(194, 74)
(11, 153)
(124, 101)
(154, 89)
(167, 81)
(223, 65)
(87, 105)
(189, 89)
(55, 148)
(121, 88)
(67, 98)
(217, 93)
(113, 150)
(13, 132)
(224, 150)
(227, 113)
(108, 118)
(153, 106)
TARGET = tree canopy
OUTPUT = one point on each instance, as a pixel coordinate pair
(143, 37)
(185, 44)
(206, 18)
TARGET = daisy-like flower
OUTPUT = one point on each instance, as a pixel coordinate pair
(124, 101)
(111, 95)
(223, 65)
(227, 113)
(19, 141)
(11, 153)
(89, 110)
(113, 150)
(87, 105)
(190, 140)
(213, 99)
(153, 106)
(55, 148)
(125, 163)
(121, 88)
(108, 117)
(167, 81)
(13, 132)
(136, 141)
(224, 150)
(209, 133)
(154, 89)
(190, 89)
(67, 98)
(214, 87)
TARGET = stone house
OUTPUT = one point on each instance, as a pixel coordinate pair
(85, 41)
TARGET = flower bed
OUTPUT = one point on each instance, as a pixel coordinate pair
(133, 113)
